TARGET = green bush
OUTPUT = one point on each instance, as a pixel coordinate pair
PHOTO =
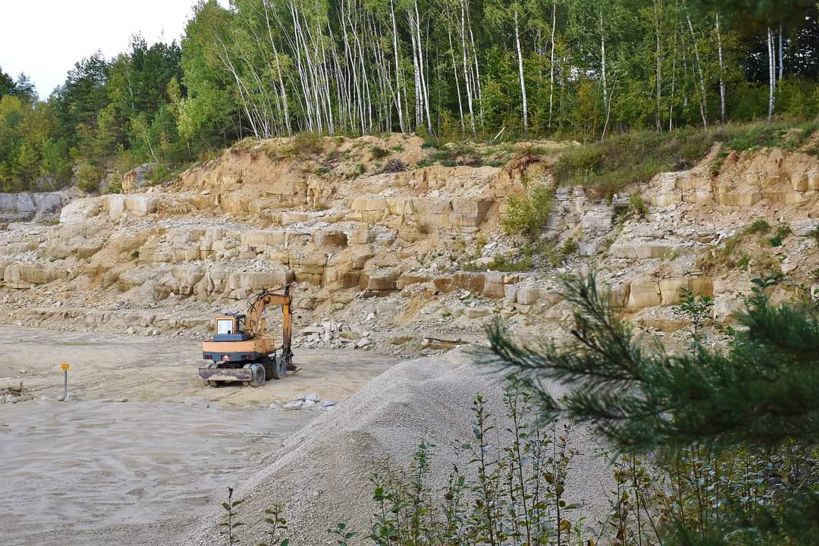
(379, 153)
(757, 227)
(88, 177)
(528, 214)
(306, 144)
(637, 205)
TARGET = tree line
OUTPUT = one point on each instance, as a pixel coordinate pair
(447, 68)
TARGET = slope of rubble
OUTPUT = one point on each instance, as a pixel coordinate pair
(376, 237)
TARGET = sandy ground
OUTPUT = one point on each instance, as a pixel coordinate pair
(99, 470)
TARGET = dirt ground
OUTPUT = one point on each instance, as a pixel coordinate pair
(145, 448)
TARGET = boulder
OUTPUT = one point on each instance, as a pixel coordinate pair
(528, 295)
(79, 210)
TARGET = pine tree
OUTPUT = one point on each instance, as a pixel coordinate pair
(760, 395)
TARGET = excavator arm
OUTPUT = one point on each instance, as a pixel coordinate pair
(255, 323)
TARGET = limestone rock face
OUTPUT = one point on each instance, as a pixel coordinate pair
(28, 275)
(137, 177)
(80, 210)
(24, 207)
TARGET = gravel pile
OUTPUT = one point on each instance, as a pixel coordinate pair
(322, 473)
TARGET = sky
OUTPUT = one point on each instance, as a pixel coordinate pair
(44, 38)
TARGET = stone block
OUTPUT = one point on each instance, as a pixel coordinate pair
(141, 205)
(259, 280)
(643, 293)
(494, 285)
(467, 280)
(528, 295)
(799, 181)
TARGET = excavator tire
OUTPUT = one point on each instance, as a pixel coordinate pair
(259, 376)
(279, 368)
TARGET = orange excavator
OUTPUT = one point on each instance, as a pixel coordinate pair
(241, 350)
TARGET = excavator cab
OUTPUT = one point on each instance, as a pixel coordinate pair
(240, 349)
(230, 328)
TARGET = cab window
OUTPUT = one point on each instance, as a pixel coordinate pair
(224, 326)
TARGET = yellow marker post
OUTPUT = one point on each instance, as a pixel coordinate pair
(65, 366)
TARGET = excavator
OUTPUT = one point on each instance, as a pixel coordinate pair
(241, 351)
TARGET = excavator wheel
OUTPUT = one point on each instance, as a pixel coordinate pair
(259, 376)
(279, 366)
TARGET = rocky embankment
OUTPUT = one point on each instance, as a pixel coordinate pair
(389, 250)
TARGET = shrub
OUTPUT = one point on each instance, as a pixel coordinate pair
(509, 265)
(306, 144)
(637, 205)
(757, 227)
(528, 214)
(779, 237)
(88, 177)
(379, 153)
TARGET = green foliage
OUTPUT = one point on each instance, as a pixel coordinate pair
(276, 525)
(510, 489)
(509, 265)
(731, 427)
(230, 524)
(697, 308)
(637, 205)
(757, 227)
(781, 233)
(620, 161)
(306, 144)
(379, 153)
(88, 177)
(528, 214)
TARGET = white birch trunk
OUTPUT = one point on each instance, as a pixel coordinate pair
(701, 91)
(552, 63)
(397, 68)
(520, 73)
(721, 73)
(771, 76)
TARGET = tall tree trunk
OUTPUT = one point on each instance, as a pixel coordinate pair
(658, 63)
(701, 90)
(467, 68)
(397, 68)
(603, 62)
(721, 73)
(520, 72)
(424, 87)
(457, 82)
(552, 63)
(477, 79)
(781, 55)
(771, 75)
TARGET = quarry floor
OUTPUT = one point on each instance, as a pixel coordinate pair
(144, 449)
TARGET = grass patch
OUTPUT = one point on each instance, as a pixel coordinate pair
(635, 157)
(511, 265)
(611, 165)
